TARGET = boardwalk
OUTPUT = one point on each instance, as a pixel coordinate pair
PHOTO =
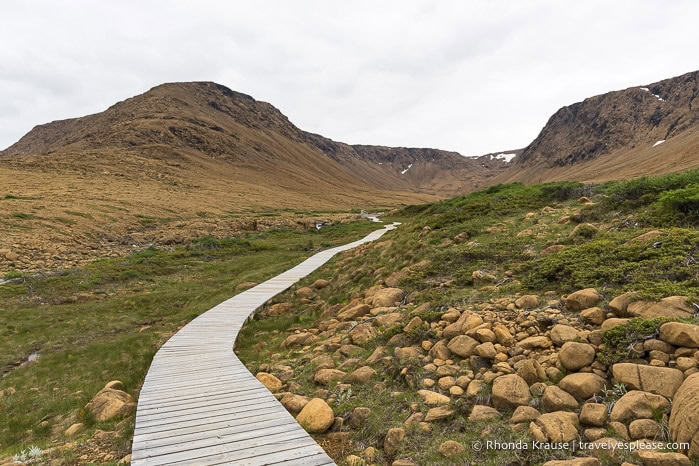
(200, 406)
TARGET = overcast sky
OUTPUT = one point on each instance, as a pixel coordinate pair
(469, 76)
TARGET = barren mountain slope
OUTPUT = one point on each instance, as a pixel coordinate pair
(173, 120)
(180, 161)
(642, 130)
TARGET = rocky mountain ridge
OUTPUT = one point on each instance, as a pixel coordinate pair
(210, 119)
(630, 118)
(643, 130)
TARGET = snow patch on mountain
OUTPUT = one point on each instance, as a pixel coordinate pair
(503, 156)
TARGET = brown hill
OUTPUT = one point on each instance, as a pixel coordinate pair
(173, 121)
(190, 159)
(642, 130)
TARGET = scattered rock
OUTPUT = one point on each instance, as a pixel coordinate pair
(593, 414)
(555, 399)
(684, 418)
(607, 448)
(481, 277)
(559, 426)
(115, 384)
(304, 292)
(672, 306)
(574, 462)
(644, 428)
(272, 383)
(363, 334)
(535, 342)
(414, 324)
(386, 297)
(353, 311)
(593, 315)
(328, 376)
(463, 345)
(433, 398)
(582, 385)
(613, 322)
(299, 339)
(483, 413)
(531, 371)
(619, 304)
(659, 458)
(359, 416)
(529, 301)
(388, 320)
(661, 380)
(561, 334)
(451, 448)
(361, 375)
(394, 437)
(408, 353)
(354, 460)
(486, 351)
(554, 248)
(439, 413)
(638, 405)
(279, 308)
(510, 391)
(680, 334)
(109, 403)
(320, 284)
(461, 237)
(294, 403)
(582, 299)
(574, 356)
(316, 417)
(74, 429)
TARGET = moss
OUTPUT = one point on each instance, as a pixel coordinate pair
(615, 263)
(619, 341)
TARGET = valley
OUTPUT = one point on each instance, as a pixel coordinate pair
(538, 297)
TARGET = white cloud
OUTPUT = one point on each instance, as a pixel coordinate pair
(471, 76)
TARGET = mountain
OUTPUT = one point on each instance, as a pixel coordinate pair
(173, 121)
(642, 130)
(187, 160)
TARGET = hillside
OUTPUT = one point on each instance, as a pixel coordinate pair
(514, 326)
(185, 160)
(643, 130)
(173, 121)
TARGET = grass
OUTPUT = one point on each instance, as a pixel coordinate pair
(24, 216)
(508, 227)
(107, 320)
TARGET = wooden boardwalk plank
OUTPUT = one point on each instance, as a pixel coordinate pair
(200, 406)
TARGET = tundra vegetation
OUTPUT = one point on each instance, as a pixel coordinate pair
(459, 326)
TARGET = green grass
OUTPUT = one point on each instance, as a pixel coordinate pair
(24, 216)
(508, 228)
(107, 320)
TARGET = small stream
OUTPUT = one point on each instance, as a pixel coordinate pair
(31, 358)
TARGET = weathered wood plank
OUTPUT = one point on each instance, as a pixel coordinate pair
(200, 406)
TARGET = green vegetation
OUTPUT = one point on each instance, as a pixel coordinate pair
(619, 341)
(546, 240)
(23, 216)
(107, 320)
(614, 261)
(662, 201)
